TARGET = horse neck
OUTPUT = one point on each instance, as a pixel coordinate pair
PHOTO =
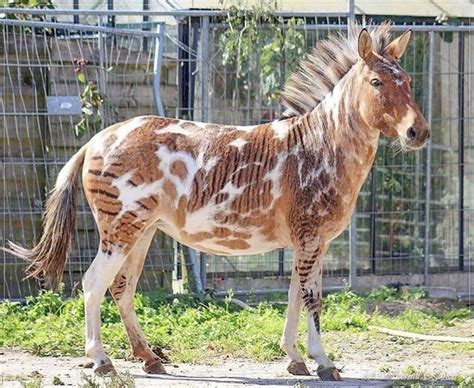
(338, 116)
(335, 134)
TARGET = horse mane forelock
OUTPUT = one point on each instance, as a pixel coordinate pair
(325, 66)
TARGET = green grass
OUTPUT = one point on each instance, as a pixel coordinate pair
(195, 328)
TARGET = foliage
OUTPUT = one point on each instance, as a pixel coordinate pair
(91, 101)
(38, 4)
(262, 50)
(464, 381)
(187, 325)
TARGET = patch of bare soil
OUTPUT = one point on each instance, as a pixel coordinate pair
(367, 359)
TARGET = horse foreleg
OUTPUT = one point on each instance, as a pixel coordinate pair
(290, 333)
(123, 290)
(326, 368)
(309, 266)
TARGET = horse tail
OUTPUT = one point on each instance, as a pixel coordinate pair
(48, 257)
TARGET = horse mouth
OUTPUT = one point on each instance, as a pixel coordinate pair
(401, 144)
(415, 147)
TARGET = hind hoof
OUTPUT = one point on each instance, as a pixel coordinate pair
(298, 368)
(329, 374)
(105, 370)
(154, 367)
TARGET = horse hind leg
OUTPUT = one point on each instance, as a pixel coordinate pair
(123, 290)
(114, 250)
(95, 282)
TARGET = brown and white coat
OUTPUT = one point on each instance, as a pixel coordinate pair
(234, 190)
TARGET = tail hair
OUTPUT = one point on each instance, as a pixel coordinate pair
(48, 257)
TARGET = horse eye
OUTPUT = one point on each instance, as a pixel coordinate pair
(375, 82)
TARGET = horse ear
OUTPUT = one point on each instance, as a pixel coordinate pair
(365, 45)
(397, 47)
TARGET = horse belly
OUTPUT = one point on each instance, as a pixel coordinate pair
(224, 239)
(256, 245)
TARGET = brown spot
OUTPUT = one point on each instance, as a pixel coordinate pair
(200, 236)
(237, 244)
(169, 189)
(181, 212)
(178, 168)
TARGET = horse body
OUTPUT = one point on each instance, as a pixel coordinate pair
(225, 189)
(233, 190)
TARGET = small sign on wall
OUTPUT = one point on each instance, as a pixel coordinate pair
(64, 105)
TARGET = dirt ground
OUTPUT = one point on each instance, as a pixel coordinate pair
(367, 359)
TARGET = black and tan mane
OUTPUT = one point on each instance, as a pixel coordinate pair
(325, 66)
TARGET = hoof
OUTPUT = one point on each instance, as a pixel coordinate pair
(329, 374)
(298, 368)
(105, 370)
(154, 367)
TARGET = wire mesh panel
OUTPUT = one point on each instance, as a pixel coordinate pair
(110, 65)
(39, 65)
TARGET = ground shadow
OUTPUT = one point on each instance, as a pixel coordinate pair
(291, 381)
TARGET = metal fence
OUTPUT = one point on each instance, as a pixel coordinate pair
(414, 215)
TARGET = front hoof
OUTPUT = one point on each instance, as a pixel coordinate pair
(154, 367)
(329, 374)
(105, 370)
(298, 368)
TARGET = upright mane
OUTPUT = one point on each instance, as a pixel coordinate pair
(325, 66)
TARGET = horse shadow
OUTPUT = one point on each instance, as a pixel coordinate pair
(309, 381)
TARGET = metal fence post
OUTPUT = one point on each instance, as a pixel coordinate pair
(203, 270)
(159, 43)
(204, 65)
(281, 262)
(195, 269)
(352, 251)
(102, 69)
(351, 9)
(353, 223)
(461, 148)
(373, 224)
(429, 117)
(204, 68)
(75, 5)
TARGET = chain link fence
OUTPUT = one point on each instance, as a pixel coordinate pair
(414, 219)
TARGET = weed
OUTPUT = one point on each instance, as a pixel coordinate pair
(34, 380)
(409, 370)
(57, 381)
(464, 381)
(119, 380)
(88, 381)
(48, 325)
(382, 294)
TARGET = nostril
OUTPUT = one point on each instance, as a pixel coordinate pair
(411, 134)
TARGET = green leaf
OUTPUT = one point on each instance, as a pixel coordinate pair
(80, 128)
(81, 77)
